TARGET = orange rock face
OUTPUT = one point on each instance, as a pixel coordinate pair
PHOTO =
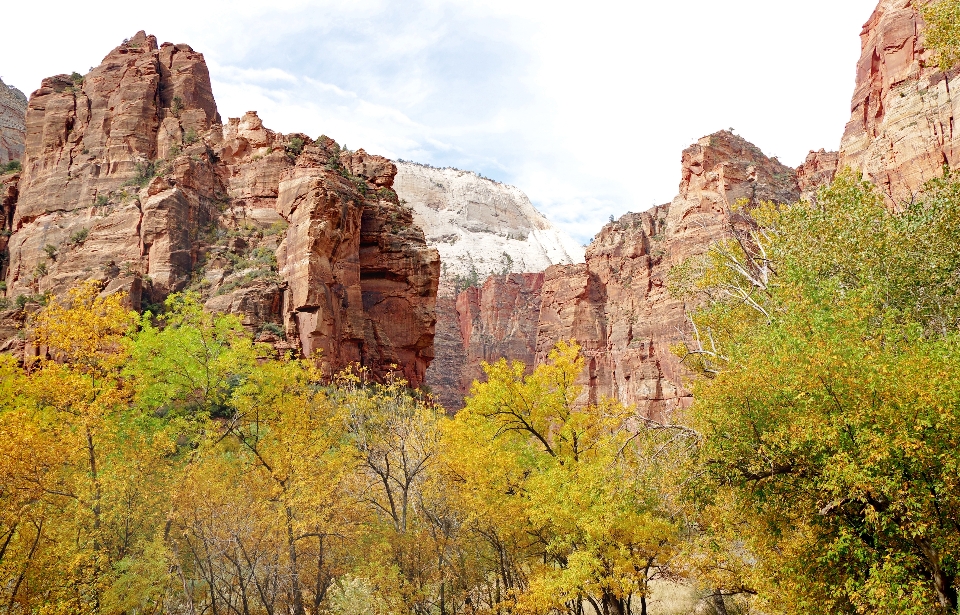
(13, 104)
(902, 128)
(497, 320)
(130, 178)
(617, 305)
(817, 170)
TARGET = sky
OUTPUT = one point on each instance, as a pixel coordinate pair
(586, 106)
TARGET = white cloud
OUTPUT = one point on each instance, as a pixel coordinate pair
(586, 106)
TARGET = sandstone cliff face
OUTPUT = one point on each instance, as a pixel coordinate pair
(13, 104)
(903, 126)
(617, 305)
(817, 170)
(499, 320)
(481, 228)
(130, 178)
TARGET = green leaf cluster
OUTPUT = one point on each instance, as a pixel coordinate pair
(831, 411)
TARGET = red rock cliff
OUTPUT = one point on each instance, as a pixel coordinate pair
(904, 111)
(130, 178)
(497, 320)
(617, 305)
(13, 104)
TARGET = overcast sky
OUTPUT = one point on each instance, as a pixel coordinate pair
(585, 105)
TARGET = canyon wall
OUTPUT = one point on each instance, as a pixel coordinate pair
(13, 105)
(903, 125)
(481, 228)
(499, 320)
(901, 133)
(130, 178)
(617, 305)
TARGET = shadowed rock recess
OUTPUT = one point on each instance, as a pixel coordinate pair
(130, 178)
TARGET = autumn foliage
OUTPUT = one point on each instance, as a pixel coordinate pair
(170, 464)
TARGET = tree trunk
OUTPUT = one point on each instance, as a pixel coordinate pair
(97, 496)
(23, 572)
(612, 605)
(7, 540)
(294, 572)
(942, 581)
(946, 592)
(718, 604)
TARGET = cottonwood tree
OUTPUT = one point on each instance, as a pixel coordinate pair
(567, 496)
(831, 419)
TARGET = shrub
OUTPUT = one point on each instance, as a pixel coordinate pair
(264, 256)
(247, 278)
(51, 250)
(177, 106)
(295, 146)
(145, 171)
(274, 328)
(22, 300)
(101, 200)
(40, 270)
(76, 77)
(360, 183)
(470, 279)
(275, 229)
(506, 264)
(79, 237)
(191, 137)
(386, 194)
(10, 167)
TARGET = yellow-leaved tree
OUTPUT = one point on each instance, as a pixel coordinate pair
(569, 499)
(829, 338)
(79, 491)
(942, 33)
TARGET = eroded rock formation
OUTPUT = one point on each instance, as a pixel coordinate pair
(903, 125)
(817, 170)
(130, 178)
(13, 104)
(617, 305)
(480, 227)
(499, 320)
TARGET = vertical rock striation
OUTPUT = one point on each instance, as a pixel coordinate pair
(498, 320)
(903, 125)
(130, 178)
(13, 105)
(617, 305)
